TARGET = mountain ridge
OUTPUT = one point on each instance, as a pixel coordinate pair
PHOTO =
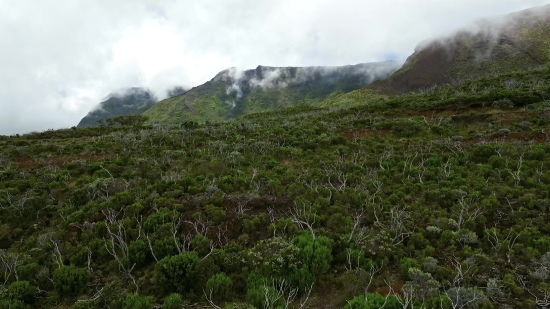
(231, 92)
(125, 102)
(431, 199)
(492, 45)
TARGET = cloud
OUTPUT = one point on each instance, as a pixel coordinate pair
(269, 79)
(489, 31)
(234, 77)
(60, 58)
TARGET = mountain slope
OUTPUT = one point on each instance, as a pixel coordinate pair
(508, 43)
(407, 194)
(232, 93)
(131, 101)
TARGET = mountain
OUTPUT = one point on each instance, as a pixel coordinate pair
(232, 93)
(127, 102)
(434, 199)
(363, 207)
(497, 45)
(513, 42)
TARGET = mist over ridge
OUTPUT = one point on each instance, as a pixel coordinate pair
(233, 92)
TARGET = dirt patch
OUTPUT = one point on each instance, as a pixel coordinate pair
(28, 162)
(272, 206)
(364, 133)
(396, 286)
(537, 137)
(426, 67)
(470, 117)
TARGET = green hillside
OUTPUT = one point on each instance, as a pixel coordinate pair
(132, 101)
(298, 188)
(233, 93)
(437, 199)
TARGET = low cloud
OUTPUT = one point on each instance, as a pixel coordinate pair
(491, 29)
(271, 77)
(234, 77)
(175, 91)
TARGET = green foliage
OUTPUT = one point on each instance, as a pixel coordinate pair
(220, 286)
(136, 301)
(373, 301)
(19, 291)
(173, 301)
(201, 244)
(181, 273)
(255, 290)
(13, 304)
(315, 254)
(156, 220)
(70, 280)
(216, 214)
(137, 252)
(251, 225)
(275, 257)
(28, 271)
(406, 264)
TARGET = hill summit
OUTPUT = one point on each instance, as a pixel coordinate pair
(126, 102)
(502, 44)
(233, 92)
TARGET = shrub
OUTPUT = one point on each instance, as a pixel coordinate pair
(179, 273)
(136, 301)
(70, 280)
(374, 301)
(220, 286)
(20, 291)
(172, 301)
(137, 252)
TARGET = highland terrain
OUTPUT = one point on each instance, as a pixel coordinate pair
(261, 189)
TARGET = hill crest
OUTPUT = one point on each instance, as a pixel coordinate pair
(501, 44)
(125, 102)
(233, 92)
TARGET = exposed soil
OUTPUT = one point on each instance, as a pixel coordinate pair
(396, 286)
(365, 133)
(536, 137)
(470, 114)
(28, 162)
(233, 223)
(431, 66)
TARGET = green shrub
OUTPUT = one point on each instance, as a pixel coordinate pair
(70, 280)
(172, 301)
(220, 286)
(136, 301)
(180, 273)
(137, 252)
(374, 301)
(20, 291)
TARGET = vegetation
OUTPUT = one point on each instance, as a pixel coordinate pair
(438, 198)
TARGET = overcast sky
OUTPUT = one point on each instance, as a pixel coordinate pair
(59, 58)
